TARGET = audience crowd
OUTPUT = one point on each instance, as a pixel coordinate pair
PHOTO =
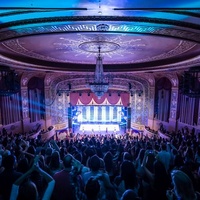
(100, 167)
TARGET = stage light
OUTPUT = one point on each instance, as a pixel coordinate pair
(9, 82)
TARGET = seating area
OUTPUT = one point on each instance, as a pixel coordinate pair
(137, 162)
(99, 100)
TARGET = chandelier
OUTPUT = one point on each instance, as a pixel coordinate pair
(100, 85)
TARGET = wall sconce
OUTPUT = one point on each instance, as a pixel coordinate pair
(129, 86)
(59, 93)
(139, 92)
(9, 81)
(69, 86)
(131, 93)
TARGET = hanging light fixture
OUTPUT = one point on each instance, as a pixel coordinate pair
(101, 83)
(9, 81)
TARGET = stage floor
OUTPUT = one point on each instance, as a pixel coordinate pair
(102, 128)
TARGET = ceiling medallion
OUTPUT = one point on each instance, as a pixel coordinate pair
(102, 27)
(92, 46)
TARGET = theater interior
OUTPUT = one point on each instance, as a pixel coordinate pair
(99, 66)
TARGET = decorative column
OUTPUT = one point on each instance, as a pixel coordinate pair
(128, 124)
(0, 114)
(198, 119)
(25, 109)
(173, 109)
(69, 115)
(173, 104)
(49, 100)
(151, 107)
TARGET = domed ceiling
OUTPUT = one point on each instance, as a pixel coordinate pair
(134, 36)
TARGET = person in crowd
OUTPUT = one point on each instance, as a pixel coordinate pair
(150, 176)
(138, 162)
(55, 163)
(8, 176)
(92, 189)
(183, 187)
(109, 165)
(129, 194)
(68, 183)
(102, 177)
(127, 178)
(164, 156)
(24, 188)
(197, 155)
(158, 180)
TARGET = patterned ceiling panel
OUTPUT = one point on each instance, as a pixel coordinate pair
(131, 35)
(82, 48)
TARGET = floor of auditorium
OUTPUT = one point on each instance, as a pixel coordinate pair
(96, 129)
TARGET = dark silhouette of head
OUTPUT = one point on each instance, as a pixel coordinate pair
(94, 163)
(67, 161)
(92, 189)
(128, 174)
(28, 190)
(9, 162)
(129, 195)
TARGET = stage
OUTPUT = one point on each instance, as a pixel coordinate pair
(98, 128)
(92, 129)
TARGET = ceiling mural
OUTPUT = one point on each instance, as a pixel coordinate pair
(82, 48)
(133, 36)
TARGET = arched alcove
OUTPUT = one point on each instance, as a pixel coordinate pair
(163, 88)
(36, 99)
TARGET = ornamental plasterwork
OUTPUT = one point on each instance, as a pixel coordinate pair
(49, 78)
(24, 81)
(149, 77)
(199, 114)
(59, 110)
(79, 47)
(151, 102)
(182, 47)
(28, 75)
(177, 66)
(139, 112)
(173, 78)
(76, 80)
(15, 46)
(174, 97)
(140, 104)
(14, 63)
(184, 34)
(25, 109)
(191, 63)
(69, 77)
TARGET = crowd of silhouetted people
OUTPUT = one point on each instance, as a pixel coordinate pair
(100, 167)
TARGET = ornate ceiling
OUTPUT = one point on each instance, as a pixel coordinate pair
(135, 36)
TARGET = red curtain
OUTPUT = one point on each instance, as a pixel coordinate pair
(86, 98)
(125, 99)
(74, 98)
